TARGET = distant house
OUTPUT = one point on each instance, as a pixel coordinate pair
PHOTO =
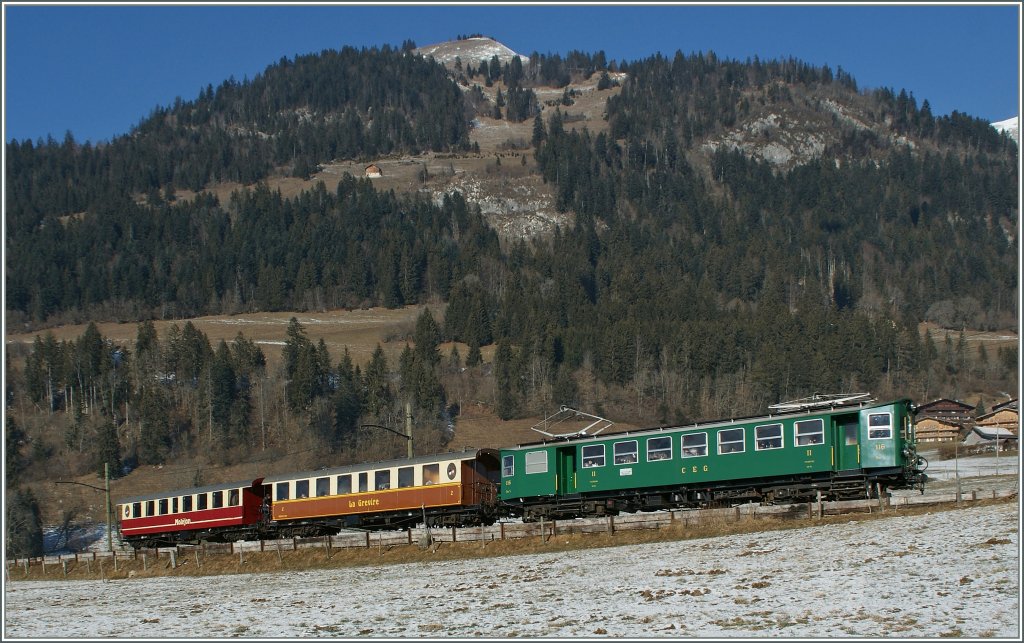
(1002, 416)
(989, 436)
(946, 409)
(373, 171)
(932, 429)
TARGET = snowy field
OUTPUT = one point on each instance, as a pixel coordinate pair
(944, 574)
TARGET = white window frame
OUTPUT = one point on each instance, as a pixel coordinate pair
(798, 434)
(595, 458)
(635, 453)
(659, 450)
(774, 441)
(880, 427)
(539, 462)
(684, 447)
(508, 466)
(742, 441)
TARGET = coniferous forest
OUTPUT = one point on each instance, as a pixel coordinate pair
(691, 283)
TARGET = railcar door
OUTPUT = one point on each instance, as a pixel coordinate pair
(566, 469)
(846, 439)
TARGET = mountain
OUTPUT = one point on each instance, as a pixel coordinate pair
(469, 50)
(1010, 126)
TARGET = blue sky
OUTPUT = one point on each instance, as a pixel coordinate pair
(98, 70)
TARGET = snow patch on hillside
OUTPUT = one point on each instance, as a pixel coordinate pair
(1010, 126)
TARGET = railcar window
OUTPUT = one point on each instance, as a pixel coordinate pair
(695, 444)
(431, 473)
(405, 477)
(323, 487)
(508, 466)
(593, 456)
(731, 441)
(382, 480)
(659, 448)
(233, 498)
(364, 482)
(150, 508)
(810, 432)
(625, 452)
(174, 505)
(768, 436)
(201, 501)
(218, 499)
(302, 488)
(186, 503)
(879, 426)
(344, 484)
(537, 462)
(162, 504)
(282, 491)
(137, 510)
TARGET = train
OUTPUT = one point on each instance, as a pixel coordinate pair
(827, 447)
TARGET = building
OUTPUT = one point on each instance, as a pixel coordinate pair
(373, 171)
(981, 436)
(1002, 416)
(943, 420)
(932, 429)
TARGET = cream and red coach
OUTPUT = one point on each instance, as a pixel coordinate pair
(223, 512)
(457, 489)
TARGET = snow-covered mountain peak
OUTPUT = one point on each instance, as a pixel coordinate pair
(1011, 126)
(469, 50)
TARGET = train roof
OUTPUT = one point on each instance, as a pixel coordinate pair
(190, 490)
(469, 453)
(812, 411)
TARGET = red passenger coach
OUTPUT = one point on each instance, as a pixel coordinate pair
(219, 513)
(448, 489)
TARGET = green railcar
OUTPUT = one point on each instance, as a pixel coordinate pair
(842, 451)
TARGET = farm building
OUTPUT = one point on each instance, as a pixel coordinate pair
(373, 171)
(948, 410)
(1003, 416)
(989, 436)
(938, 430)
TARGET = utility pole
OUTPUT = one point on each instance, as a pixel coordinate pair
(106, 489)
(408, 428)
(106, 484)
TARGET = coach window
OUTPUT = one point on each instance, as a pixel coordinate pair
(150, 508)
(731, 441)
(186, 503)
(431, 473)
(344, 484)
(201, 501)
(364, 482)
(809, 432)
(695, 444)
(537, 462)
(879, 426)
(768, 436)
(136, 510)
(233, 498)
(405, 477)
(282, 491)
(323, 487)
(174, 505)
(625, 452)
(162, 506)
(659, 449)
(382, 480)
(508, 466)
(593, 456)
(302, 488)
(218, 499)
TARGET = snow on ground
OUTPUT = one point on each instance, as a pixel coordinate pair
(954, 573)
